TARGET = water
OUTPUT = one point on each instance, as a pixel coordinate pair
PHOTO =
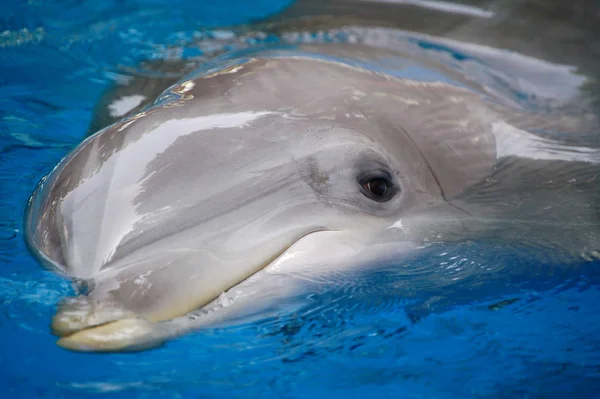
(494, 322)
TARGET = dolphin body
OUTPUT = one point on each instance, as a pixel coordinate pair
(271, 167)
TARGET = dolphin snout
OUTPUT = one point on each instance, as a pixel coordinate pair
(117, 336)
(84, 324)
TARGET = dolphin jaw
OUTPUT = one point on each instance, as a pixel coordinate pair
(91, 325)
(128, 334)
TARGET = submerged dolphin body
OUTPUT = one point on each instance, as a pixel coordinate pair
(286, 162)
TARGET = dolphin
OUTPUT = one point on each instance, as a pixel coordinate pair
(266, 168)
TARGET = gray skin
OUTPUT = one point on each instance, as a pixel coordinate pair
(248, 177)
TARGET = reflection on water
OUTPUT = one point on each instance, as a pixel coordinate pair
(473, 318)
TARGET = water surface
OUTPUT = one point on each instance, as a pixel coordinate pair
(470, 319)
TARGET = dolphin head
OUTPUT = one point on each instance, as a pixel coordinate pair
(264, 159)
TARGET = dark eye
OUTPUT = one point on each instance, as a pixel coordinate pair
(378, 188)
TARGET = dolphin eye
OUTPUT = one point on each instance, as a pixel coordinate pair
(378, 188)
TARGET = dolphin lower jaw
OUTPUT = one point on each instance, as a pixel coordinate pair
(128, 334)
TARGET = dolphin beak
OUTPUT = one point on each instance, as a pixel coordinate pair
(86, 325)
(118, 336)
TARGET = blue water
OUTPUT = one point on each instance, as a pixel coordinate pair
(376, 338)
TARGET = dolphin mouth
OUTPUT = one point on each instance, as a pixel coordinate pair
(79, 313)
(87, 325)
(84, 324)
(123, 335)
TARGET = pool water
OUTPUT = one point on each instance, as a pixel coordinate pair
(507, 324)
